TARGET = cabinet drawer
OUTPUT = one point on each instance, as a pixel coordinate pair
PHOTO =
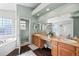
(54, 42)
(54, 50)
(67, 46)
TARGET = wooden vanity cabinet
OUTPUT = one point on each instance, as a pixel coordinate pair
(66, 50)
(38, 41)
(63, 49)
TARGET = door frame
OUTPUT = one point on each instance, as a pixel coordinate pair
(18, 38)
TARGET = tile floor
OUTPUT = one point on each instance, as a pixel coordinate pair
(31, 50)
(28, 53)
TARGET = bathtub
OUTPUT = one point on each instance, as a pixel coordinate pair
(7, 46)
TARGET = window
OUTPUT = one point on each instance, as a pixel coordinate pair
(22, 25)
(6, 27)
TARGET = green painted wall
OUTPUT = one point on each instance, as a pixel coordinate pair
(26, 12)
(76, 26)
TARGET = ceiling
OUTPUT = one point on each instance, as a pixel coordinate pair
(32, 5)
(57, 9)
(8, 6)
(12, 6)
(50, 7)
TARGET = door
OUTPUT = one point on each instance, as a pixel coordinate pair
(65, 52)
(24, 31)
(66, 49)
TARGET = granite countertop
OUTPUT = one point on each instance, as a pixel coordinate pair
(44, 36)
(67, 41)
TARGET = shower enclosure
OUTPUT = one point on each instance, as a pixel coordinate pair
(24, 31)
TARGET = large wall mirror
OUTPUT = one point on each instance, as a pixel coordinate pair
(46, 27)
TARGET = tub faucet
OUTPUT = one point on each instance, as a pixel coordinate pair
(1, 41)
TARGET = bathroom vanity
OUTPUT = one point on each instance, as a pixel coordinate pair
(39, 39)
(60, 47)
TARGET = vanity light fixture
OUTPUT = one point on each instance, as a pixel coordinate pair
(37, 14)
(47, 9)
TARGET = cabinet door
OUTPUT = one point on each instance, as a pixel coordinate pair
(41, 42)
(67, 46)
(35, 40)
(54, 50)
(38, 41)
(77, 51)
(65, 52)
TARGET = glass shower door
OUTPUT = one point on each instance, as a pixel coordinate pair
(24, 31)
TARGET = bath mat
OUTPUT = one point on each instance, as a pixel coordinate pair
(33, 47)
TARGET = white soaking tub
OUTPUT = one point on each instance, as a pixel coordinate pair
(7, 46)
